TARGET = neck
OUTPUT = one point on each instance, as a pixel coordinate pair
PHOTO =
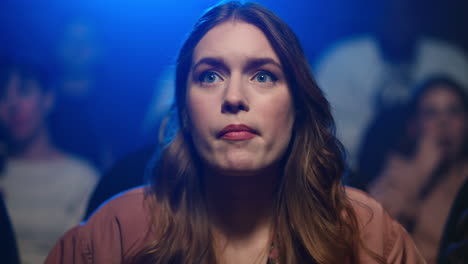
(242, 206)
(242, 209)
(38, 148)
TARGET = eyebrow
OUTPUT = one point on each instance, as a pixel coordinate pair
(214, 62)
(252, 63)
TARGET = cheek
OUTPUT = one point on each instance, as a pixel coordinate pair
(279, 118)
(32, 110)
(201, 115)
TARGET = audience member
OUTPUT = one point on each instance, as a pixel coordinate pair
(45, 189)
(424, 172)
(369, 75)
(79, 93)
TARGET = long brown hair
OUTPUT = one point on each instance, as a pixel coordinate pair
(314, 221)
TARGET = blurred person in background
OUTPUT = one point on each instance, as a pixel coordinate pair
(80, 95)
(423, 174)
(44, 188)
(370, 76)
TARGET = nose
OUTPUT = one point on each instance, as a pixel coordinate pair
(234, 99)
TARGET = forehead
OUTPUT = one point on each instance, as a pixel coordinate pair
(440, 95)
(235, 40)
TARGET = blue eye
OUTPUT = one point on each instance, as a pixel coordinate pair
(264, 76)
(209, 77)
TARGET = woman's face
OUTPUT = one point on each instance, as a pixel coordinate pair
(23, 108)
(443, 116)
(239, 105)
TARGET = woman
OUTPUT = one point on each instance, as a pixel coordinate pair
(81, 93)
(421, 178)
(253, 173)
(45, 189)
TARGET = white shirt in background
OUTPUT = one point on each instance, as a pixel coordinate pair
(44, 199)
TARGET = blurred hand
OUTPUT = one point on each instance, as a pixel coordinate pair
(428, 154)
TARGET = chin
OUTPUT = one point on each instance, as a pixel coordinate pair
(237, 168)
(237, 173)
(244, 168)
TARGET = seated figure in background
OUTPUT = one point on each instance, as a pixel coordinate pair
(369, 76)
(45, 189)
(423, 174)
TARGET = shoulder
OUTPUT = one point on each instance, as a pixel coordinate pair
(130, 209)
(78, 164)
(363, 203)
(114, 231)
(135, 200)
(379, 232)
(76, 173)
(372, 217)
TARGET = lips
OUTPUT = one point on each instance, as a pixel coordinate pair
(237, 132)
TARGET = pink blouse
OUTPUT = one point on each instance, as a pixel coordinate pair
(120, 227)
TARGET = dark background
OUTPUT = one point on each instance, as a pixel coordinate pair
(139, 39)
